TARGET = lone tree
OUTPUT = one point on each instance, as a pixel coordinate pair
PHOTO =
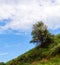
(40, 35)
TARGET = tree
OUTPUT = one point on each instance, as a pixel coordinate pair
(40, 35)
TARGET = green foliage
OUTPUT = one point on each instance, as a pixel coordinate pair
(37, 54)
(2, 63)
(41, 35)
(52, 61)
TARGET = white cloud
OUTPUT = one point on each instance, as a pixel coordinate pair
(26, 12)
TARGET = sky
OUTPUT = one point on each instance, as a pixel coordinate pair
(16, 20)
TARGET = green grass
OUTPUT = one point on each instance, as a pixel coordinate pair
(37, 55)
(52, 61)
(49, 55)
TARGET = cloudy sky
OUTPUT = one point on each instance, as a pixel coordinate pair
(16, 20)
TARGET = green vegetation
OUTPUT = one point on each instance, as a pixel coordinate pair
(47, 51)
(39, 56)
(2, 63)
(51, 61)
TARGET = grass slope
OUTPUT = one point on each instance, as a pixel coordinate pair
(39, 56)
(49, 55)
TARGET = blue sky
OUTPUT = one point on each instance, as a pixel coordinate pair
(12, 45)
(16, 20)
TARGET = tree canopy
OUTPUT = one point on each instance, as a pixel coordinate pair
(40, 34)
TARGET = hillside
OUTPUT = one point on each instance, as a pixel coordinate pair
(49, 55)
(38, 56)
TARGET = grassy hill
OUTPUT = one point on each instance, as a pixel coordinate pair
(38, 56)
(49, 55)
